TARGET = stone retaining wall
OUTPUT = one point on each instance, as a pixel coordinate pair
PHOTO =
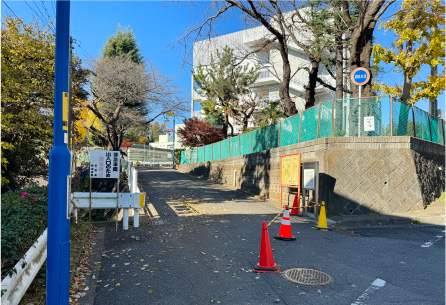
(357, 175)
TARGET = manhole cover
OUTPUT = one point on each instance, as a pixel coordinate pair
(307, 276)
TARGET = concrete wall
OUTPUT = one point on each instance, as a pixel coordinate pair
(357, 175)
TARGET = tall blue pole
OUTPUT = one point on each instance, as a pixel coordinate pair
(173, 146)
(58, 247)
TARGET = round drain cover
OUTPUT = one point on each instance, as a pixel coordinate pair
(307, 276)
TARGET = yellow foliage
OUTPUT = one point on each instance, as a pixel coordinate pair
(421, 22)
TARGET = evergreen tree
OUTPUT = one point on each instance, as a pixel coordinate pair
(123, 43)
(223, 83)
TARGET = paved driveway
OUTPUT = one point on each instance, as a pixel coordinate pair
(206, 240)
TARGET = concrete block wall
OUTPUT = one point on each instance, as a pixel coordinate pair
(358, 175)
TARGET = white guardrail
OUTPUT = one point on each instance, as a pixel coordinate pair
(14, 286)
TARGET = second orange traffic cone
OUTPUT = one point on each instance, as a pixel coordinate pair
(285, 227)
(266, 263)
(295, 211)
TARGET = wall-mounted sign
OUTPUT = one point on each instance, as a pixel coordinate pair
(369, 123)
(309, 179)
(104, 164)
(360, 76)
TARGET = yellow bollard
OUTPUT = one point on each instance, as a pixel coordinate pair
(322, 222)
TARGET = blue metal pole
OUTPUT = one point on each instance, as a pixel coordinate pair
(173, 146)
(58, 247)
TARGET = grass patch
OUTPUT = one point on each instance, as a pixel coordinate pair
(371, 214)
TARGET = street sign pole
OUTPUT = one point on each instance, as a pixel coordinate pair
(58, 247)
(173, 146)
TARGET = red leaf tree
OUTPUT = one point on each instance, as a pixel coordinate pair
(126, 143)
(198, 133)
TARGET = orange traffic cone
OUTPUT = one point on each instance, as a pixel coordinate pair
(295, 211)
(285, 227)
(266, 263)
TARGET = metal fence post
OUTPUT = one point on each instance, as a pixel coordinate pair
(319, 121)
(135, 190)
(391, 116)
(332, 117)
(300, 128)
(413, 116)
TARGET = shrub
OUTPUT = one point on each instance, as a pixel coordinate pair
(23, 220)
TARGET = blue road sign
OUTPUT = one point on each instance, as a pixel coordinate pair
(360, 76)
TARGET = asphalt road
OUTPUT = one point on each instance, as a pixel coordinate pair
(203, 253)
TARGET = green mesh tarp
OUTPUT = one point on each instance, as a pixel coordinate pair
(245, 143)
(258, 140)
(402, 120)
(422, 124)
(187, 156)
(385, 115)
(434, 129)
(272, 136)
(183, 158)
(371, 117)
(201, 154)
(208, 152)
(225, 149)
(325, 125)
(340, 117)
(194, 155)
(309, 124)
(440, 128)
(234, 143)
(289, 131)
(216, 151)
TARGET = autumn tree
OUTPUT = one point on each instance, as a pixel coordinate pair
(198, 132)
(155, 130)
(27, 99)
(223, 83)
(420, 42)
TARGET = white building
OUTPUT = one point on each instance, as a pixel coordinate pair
(270, 61)
(166, 140)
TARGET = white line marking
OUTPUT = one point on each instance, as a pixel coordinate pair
(378, 283)
(430, 243)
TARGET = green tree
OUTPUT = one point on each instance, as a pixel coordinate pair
(270, 114)
(123, 43)
(223, 83)
(27, 99)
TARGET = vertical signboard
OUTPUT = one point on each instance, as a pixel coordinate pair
(104, 164)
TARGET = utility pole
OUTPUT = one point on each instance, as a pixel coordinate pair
(58, 247)
(433, 103)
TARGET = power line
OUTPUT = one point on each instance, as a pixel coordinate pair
(10, 9)
(37, 15)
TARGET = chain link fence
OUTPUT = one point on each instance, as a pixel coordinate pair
(353, 117)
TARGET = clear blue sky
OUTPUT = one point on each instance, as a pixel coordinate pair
(156, 24)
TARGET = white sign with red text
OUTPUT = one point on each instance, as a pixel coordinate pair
(104, 164)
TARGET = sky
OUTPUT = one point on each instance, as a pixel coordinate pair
(157, 25)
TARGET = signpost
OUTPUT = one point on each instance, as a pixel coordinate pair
(105, 164)
(360, 77)
(173, 144)
(58, 247)
(310, 177)
(290, 173)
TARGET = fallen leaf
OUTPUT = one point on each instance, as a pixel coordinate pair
(150, 292)
(111, 289)
(119, 284)
(319, 291)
